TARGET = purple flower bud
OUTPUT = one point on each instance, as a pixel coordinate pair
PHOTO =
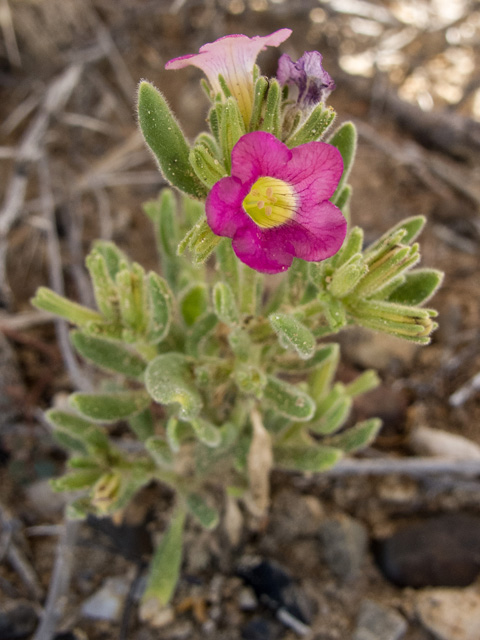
(307, 74)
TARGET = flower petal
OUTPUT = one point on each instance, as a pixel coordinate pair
(224, 206)
(259, 154)
(261, 250)
(316, 233)
(315, 170)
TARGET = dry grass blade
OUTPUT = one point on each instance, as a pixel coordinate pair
(8, 30)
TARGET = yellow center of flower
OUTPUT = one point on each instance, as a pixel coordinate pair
(270, 202)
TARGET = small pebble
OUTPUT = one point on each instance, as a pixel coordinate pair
(344, 542)
(376, 622)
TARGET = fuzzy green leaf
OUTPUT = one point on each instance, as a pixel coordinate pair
(271, 118)
(74, 426)
(160, 451)
(169, 381)
(165, 566)
(109, 407)
(225, 304)
(160, 308)
(358, 437)
(109, 355)
(288, 400)
(206, 516)
(194, 303)
(293, 334)
(345, 139)
(76, 480)
(347, 277)
(309, 458)
(419, 287)
(165, 138)
(207, 433)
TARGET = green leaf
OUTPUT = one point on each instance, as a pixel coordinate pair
(250, 379)
(207, 433)
(67, 441)
(288, 400)
(162, 214)
(352, 245)
(48, 300)
(345, 139)
(76, 480)
(132, 297)
(194, 303)
(165, 566)
(206, 516)
(112, 255)
(309, 458)
(227, 265)
(165, 138)
(173, 432)
(109, 407)
(76, 427)
(293, 334)
(314, 127)
(199, 333)
(160, 308)
(142, 424)
(334, 418)
(405, 231)
(358, 437)
(225, 304)
(419, 287)
(169, 380)
(108, 355)
(160, 451)
(321, 379)
(364, 383)
(104, 288)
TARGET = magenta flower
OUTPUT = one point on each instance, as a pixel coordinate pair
(233, 57)
(275, 206)
(313, 82)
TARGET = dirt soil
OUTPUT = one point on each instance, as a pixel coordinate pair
(76, 161)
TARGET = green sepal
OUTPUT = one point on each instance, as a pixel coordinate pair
(206, 432)
(210, 143)
(391, 265)
(293, 334)
(159, 308)
(343, 200)
(419, 287)
(412, 228)
(345, 139)
(333, 310)
(109, 407)
(48, 300)
(297, 279)
(162, 213)
(166, 563)
(200, 240)
(160, 451)
(259, 93)
(308, 458)
(167, 141)
(288, 400)
(314, 127)
(169, 380)
(214, 122)
(104, 288)
(358, 437)
(76, 480)
(347, 277)
(225, 304)
(90, 435)
(206, 166)
(410, 323)
(271, 119)
(193, 303)
(232, 128)
(206, 515)
(112, 356)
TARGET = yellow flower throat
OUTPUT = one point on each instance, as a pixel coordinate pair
(270, 202)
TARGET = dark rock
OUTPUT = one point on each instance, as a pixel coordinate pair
(133, 542)
(345, 543)
(275, 588)
(17, 620)
(261, 629)
(376, 622)
(441, 551)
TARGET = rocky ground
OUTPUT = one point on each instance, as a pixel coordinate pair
(385, 550)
